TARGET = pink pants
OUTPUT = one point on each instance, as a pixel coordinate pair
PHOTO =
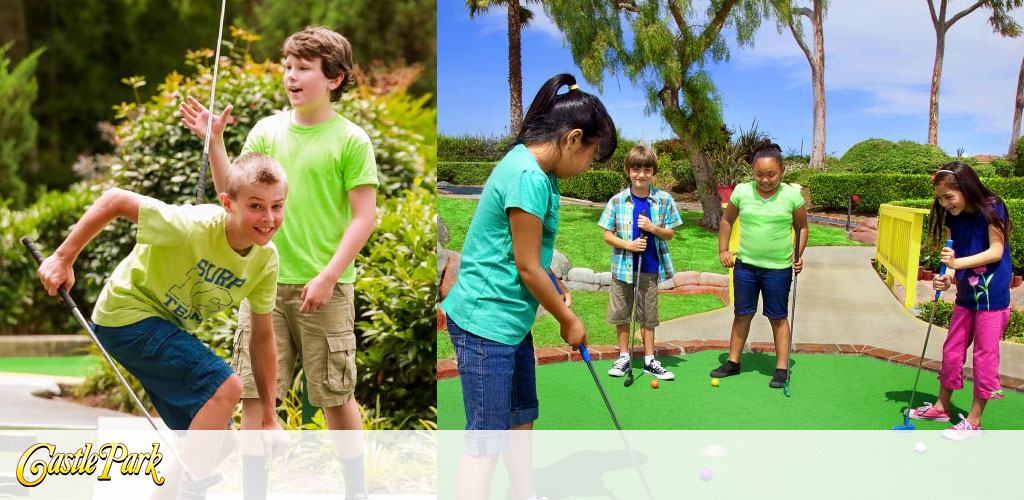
(984, 329)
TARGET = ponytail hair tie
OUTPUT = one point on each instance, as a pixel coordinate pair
(574, 87)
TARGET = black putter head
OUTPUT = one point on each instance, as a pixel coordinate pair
(629, 379)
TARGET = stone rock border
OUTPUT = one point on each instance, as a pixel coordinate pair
(446, 368)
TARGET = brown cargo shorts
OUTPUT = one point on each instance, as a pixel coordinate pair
(323, 341)
(620, 301)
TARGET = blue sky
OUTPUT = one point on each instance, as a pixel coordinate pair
(878, 63)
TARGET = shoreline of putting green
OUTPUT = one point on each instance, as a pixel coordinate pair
(447, 368)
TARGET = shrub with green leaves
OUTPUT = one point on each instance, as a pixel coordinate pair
(593, 185)
(831, 190)
(18, 89)
(903, 157)
(24, 305)
(471, 148)
(464, 173)
(944, 312)
(1018, 165)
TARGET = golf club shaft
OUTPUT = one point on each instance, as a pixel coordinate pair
(629, 449)
(928, 333)
(201, 187)
(792, 309)
(632, 320)
(70, 303)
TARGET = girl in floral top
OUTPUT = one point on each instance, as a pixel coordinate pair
(979, 226)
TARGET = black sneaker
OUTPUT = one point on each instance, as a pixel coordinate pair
(727, 369)
(655, 369)
(779, 380)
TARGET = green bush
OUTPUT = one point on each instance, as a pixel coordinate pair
(683, 175)
(18, 89)
(593, 185)
(470, 148)
(617, 161)
(944, 312)
(672, 147)
(24, 305)
(1018, 166)
(903, 157)
(464, 173)
(1000, 167)
(831, 190)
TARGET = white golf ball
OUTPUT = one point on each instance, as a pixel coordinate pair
(920, 448)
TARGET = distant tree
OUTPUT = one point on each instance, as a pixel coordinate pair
(18, 89)
(1018, 106)
(670, 45)
(1001, 23)
(519, 18)
(789, 15)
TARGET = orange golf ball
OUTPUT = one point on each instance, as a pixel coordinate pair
(714, 382)
(654, 384)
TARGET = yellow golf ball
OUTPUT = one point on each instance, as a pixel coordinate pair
(714, 382)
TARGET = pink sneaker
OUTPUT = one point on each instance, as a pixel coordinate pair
(964, 429)
(928, 412)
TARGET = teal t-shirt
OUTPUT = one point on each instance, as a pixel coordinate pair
(489, 299)
(766, 225)
(323, 163)
(184, 270)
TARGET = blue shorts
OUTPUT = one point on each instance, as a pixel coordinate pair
(499, 388)
(772, 284)
(178, 371)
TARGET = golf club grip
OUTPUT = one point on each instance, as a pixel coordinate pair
(796, 243)
(201, 187)
(942, 269)
(34, 250)
(585, 353)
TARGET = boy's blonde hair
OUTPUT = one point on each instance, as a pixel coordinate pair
(333, 50)
(642, 156)
(252, 168)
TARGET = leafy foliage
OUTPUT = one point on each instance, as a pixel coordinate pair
(1018, 167)
(903, 157)
(18, 89)
(593, 185)
(465, 173)
(944, 313)
(470, 148)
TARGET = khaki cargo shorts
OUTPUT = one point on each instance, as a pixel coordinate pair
(620, 301)
(323, 341)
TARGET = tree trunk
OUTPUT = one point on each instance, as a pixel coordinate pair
(13, 27)
(1017, 109)
(818, 79)
(515, 70)
(704, 175)
(933, 103)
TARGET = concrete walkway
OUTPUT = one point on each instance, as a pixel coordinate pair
(20, 409)
(840, 300)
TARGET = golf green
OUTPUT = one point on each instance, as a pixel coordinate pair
(68, 366)
(828, 392)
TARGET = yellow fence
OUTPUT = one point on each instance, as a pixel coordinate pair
(899, 247)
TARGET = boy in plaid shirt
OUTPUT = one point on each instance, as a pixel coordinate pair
(629, 221)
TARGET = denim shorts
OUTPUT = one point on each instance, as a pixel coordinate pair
(178, 371)
(499, 388)
(772, 284)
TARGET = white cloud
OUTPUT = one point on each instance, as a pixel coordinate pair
(496, 21)
(886, 49)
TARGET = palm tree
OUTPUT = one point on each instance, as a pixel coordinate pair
(518, 18)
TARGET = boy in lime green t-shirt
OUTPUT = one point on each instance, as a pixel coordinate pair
(189, 263)
(333, 175)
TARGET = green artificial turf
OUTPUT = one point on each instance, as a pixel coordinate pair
(592, 307)
(580, 239)
(828, 392)
(70, 366)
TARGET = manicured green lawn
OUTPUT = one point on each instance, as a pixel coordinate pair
(580, 238)
(70, 366)
(592, 307)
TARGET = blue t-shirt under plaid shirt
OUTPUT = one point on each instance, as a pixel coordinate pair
(618, 218)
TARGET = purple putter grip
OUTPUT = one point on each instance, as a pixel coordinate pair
(942, 269)
(584, 353)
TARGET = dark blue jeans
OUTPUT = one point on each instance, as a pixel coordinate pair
(771, 284)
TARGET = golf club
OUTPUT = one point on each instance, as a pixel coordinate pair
(70, 303)
(792, 312)
(205, 163)
(907, 426)
(632, 320)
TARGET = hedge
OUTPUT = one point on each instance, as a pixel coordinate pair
(470, 148)
(905, 157)
(831, 190)
(464, 173)
(593, 185)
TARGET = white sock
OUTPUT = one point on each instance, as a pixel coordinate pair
(648, 359)
(621, 355)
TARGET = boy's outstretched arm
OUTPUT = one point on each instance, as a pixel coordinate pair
(56, 270)
(318, 291)
(194, 116)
